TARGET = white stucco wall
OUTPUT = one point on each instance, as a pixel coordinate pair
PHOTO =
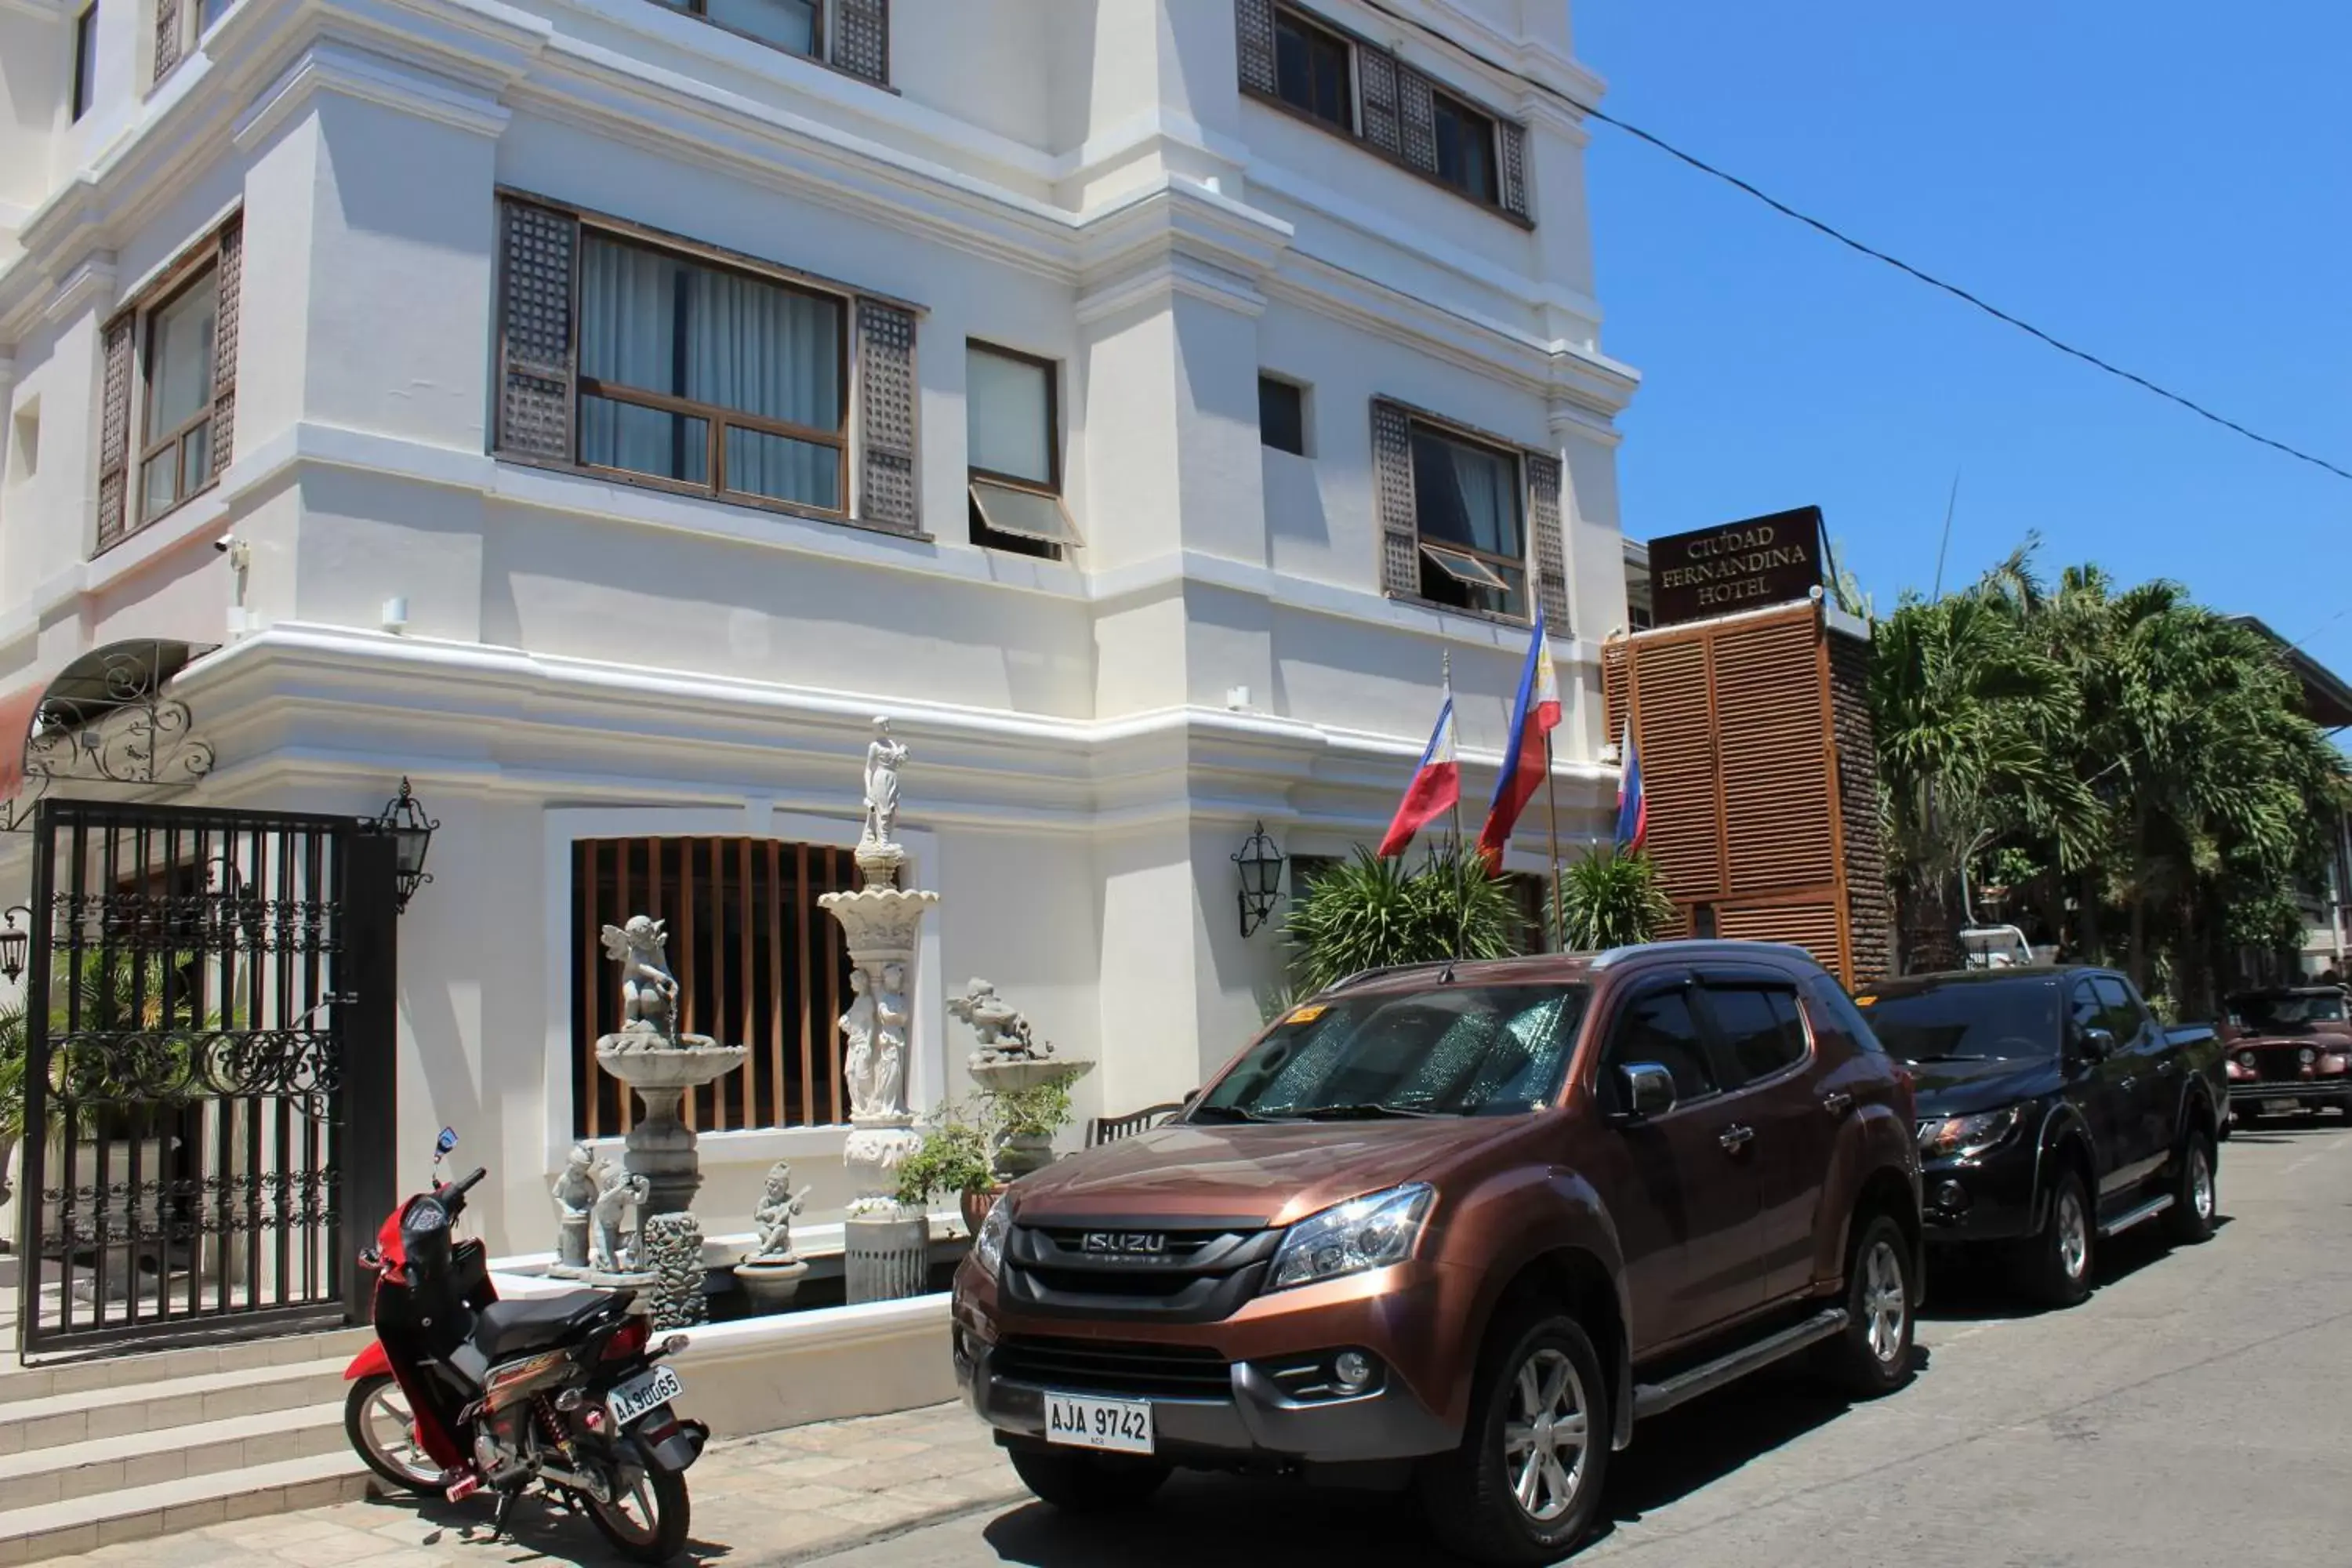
(582, 651)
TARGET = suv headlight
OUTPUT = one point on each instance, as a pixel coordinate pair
(1370, 1232)
(1966, 1137)
(988, 1247)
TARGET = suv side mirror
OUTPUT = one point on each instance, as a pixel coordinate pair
(1649, 1091)
(2098, 1045)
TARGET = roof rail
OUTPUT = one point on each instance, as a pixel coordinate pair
(1721, 947)
(1373, 973)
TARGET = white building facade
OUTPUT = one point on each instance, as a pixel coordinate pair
(611, 406)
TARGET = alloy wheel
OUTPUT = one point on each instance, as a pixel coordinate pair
(2200, 1180)
(1545, 1435)
(1885, 1301)
(391, 1429)
(2073, 1236)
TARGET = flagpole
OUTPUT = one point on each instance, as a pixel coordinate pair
(1551, 814)
(1445, 668)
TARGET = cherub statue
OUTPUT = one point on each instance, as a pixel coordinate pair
(1004, 1034)
(772, 1216)
(648, 991)
(607, 1250)
(575, 1192)
(857, 1055)
(883, 756)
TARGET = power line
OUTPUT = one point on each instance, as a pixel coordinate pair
(1833, 232)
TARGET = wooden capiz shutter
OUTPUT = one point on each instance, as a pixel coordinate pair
(1513, 139)
(1551, 554)
(886, 492)
(861, 38)
(1254, 40)
(114, 429)
(1376, 84)
(1417, 112)
(1392, 489)
(167, 38)
(229, 273)
(538, 253)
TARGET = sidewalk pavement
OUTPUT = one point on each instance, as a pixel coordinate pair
(780, 1498)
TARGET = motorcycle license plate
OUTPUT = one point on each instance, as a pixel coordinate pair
(1116, 1425)
(646, 1391)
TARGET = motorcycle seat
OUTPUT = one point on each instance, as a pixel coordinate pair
(508, 1328)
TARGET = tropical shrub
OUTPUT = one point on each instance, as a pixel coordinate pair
(1368, 913)
(1611, 900)
(954, 1157)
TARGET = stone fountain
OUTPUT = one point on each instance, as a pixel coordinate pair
(660, 1168)
(1011, 1059)
(886, 1247)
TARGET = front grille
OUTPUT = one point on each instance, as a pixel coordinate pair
(1117, 1368)
(2279, 1065)
(1194, 1275)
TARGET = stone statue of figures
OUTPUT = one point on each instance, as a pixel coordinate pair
(1005, 1034)
(884, 758)
(857, 1048)
(576, 1193)
(890, 1041)
(773, 1217)
(648, 990)
(608, 1249)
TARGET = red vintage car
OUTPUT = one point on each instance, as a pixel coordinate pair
(2289, 1048)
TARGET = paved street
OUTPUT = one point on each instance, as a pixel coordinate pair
(2197, 1410)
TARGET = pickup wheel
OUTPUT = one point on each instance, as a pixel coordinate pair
(2189, 1220)
(1526, 1484)
(1078, 1482)
(2056, 1269)
(1872, 1356)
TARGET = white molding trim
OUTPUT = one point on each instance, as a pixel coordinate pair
(371, 78)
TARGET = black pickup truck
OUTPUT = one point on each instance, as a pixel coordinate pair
(2054, 1112)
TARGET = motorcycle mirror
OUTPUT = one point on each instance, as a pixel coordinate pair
(443, 1144)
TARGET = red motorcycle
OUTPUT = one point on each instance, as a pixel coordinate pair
(462, 1391)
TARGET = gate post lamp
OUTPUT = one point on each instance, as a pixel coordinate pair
(1260, 864)
(15, 941)
(412, 834)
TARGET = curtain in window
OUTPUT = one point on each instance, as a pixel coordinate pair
(1466, 495)
(659, 324)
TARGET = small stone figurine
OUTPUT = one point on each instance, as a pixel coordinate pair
(772, 1219)
(576, 1191)
(648, 990)
(884, 757)
(608, 1249)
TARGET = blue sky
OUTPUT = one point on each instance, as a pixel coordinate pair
(2164, 183)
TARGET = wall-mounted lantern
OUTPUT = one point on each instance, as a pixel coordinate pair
(1260, 864)
(412, 834)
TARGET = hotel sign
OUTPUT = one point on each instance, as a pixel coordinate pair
(1741, 566)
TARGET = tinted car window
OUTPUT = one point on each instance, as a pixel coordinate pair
(1659, 1028)
(1469, 1050)
(2122, 1016)
(2286, 1014)
(2085, 1008)
(1970, 1020)
(1834, 1015)
(1760, 1029)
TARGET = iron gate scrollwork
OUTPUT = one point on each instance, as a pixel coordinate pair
(208, 1074)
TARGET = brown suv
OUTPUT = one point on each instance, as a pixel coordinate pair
(1458, 1226)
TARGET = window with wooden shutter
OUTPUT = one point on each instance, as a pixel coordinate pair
(1392, 488)
(114, 431)
(1468, 521)
(1253, 40)
(168, 414)
(1513, 138)
(231, 272)
(861, 38)
(167, 38)
(652, 360)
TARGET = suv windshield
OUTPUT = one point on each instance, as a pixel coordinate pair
(2286, 1014)
(1469, 1050)
(1972, 1020)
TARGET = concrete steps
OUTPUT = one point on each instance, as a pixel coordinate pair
(120, 1448)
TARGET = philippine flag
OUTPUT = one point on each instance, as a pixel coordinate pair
(1436, 785)
(1534, 712)
(1633, 803)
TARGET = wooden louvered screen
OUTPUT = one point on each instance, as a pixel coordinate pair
(114, 431)
(1254, 43)
(1550, 550)
(861, 38)
(1417, 113)
(1755, 749)
(1376, 81)
(1513, 139)
(1392, 491)
(887, 491)
(538, 253)
(167, 37)
(757, 964)
(230, 288)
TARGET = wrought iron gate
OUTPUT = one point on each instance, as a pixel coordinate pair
(209, 1077)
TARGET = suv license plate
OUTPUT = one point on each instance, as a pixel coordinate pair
(646, 1391)
(1116, 1425)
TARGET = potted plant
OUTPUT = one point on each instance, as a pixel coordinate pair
(954, 1157)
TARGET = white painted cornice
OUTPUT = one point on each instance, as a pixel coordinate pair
(360, 74)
